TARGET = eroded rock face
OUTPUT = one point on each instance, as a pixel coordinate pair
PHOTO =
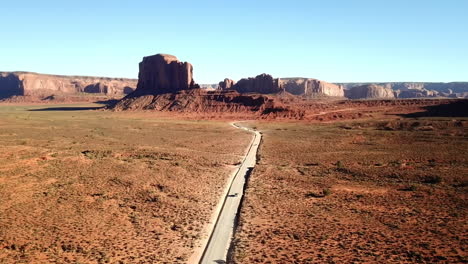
(211, 102)
(369, 91)
(443, 88)
(415, 93)
(27, 83)
(308, 86)
(263, 84)
(162, 73)
(226, 84)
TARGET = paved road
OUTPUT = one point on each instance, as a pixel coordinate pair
(220, 239)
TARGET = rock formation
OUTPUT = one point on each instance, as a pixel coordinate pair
(165, 84)
(266, 84)
(162, 73)
(219, 102)
(34, 84)
(420, 89)
(369, 91)
(226, 84)
(209, 86)
(308, 86)
(415, 93)
(263, 84)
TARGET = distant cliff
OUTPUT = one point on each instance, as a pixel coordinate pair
(454, 87)
(369, 91)
(310, 86)
(28, 83)
(263, 84)
(266, 84)
(419, 89)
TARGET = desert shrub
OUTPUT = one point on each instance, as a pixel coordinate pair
(410, 188)
(97, 154)
(303, 170)
(432, 179)
(432, 163)
(313, 195)
(325, 192)
(339, 164)
(461, 184)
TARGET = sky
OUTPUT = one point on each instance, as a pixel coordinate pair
(334, 40)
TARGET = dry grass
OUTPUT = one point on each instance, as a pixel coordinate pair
(103, 187)
(357, 192)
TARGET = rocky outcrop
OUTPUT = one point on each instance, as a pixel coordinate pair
(162, 73)
(369, 91)
(226, 84)
(309, 86)
(263, 84)
(34, 84)
(221, 102)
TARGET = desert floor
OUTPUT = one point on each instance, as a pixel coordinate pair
(382, 190)
(79, 185)
(82, 185)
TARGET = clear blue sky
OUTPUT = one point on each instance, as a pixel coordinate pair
(347, 40)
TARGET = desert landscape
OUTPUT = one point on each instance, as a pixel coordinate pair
(87, 186)
(387, 190)
(207, 132)
(143, 179)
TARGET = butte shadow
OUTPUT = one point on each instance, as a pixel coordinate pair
(65, 108)
(452, 108)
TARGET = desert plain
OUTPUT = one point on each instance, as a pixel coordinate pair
(262, 170)
(79, 185)
(388, 189)
(371, 183)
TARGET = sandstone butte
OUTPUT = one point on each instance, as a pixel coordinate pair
(163, 73)
(226, 84)
(35, 84)
(370, 91)
(266, 84)
(263, 83)
(309, 86)
(166, 84)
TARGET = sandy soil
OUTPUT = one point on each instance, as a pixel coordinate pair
(101, 187)
(381, 189)
(354, 181)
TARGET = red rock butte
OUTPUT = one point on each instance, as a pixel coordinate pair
(162, 73)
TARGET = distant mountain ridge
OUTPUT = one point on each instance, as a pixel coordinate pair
(36, 84)
(455, 87)
(21, 83)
